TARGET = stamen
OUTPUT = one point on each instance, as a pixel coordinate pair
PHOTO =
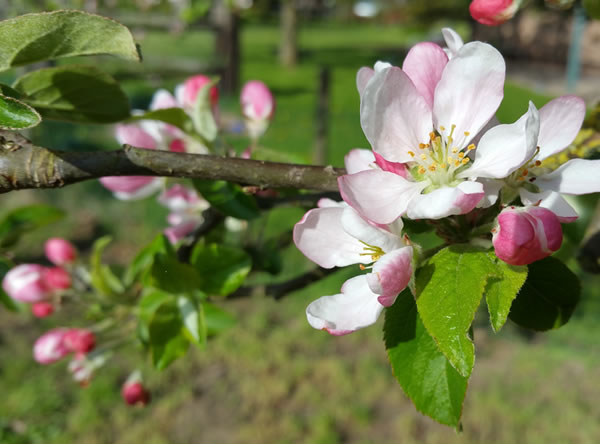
(442, 128)
(452, 130)
(411, 154)
(461, 155)
(424, 156)
(525, 172)
(422, 146)
(454, 150)
(467, 133)
(471, 147)
(465, 161)
(422, 170)
(362, 267)
(538, 163)
(432, 167)
(432, 136)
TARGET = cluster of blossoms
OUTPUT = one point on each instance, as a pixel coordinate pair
(496, 12)
(185, 205)
(438, 152)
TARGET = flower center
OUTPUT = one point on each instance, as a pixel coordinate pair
(527, 174)
(370, 250)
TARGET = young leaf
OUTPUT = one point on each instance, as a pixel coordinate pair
(6, 300)
(17, 115)
(24, 219)
(81, 94)
(503, 289)
(228, 198)
(144, 259)
(166, 338)
(222, 268)
(33, 38)
(426, 376)
(151, 299)
(192, 316)
(103, 279)
(173, 116)
(548, 297)
(172, 276)
(202, 114)
(217, 319)
(449, 289)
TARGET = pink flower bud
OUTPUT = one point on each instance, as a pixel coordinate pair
(26, 283)
(493, 12)
(50, 346)
(177, 146)
(257, 101)
(191, 88)
(79, 340)
(60, 251)
(57, 278)
(525, 235)
(134, 393)
(42, 309)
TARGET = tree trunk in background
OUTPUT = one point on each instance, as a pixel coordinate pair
(288, 46)
(227, 45)
(322, 117)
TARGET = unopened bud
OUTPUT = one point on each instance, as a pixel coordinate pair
(50, 347)
(80, 340)
(25, 283)
(57, 278)
(42, 309)
(134, 393)
(60, 251)
(493, 12)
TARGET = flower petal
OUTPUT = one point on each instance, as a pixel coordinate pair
(320, 236)
(132, 187)
(552, 201)
(379, 196)
(363, 76)
(504, 148)
(491, 188)
(394, 116)
(424, 64)
(446, 201)
(369, 234)
(358, 160)
(453, 41)
(162, 99)
(393, 167)
(577, 176)
(391, 275)
(356, 307)
(132, 134)
(470, 91)
(560, 121)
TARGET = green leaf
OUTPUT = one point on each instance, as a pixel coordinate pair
(217, 320)
(192, 316)
(6, 300)
(222, 268)
(449, 290)
(82, 94)
(426, 376)
(10, 92)
(144, 259)
(172, 276)
(16, 115)
(151, 299)
(103, 279)
(173, 116)
(228, 198)
(503, 289)
(548, 297)
(33, 38)
(25, 219)
(166, 337)
(202, 114)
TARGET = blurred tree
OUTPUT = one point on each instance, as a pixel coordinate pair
(288, 45)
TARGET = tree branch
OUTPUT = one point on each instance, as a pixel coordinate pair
(24, 165)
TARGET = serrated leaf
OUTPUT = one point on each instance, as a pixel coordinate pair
(217, 320)
(173, 116)
(6, 300)
(143, 260)
(33, 38)
(192, 316)
(166, 337)
(82, 94)
(103, 279)
(449, 290)
(426, 376)
(172, 276)
(228, 198)
(202, 113)
(25, 219)
(17, 115)
(222, 268)
(500, 291)
(548, 297)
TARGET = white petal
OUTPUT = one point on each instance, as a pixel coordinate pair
(320, 237)
(358, 160)
(470, 91)
(360, 229)
(363, 76)
(377, 195)
(394, 116)
(446, 201)
(143, 192)
(552, 201)
(453, 41)
(577, 176)
(504, 148)
(491, 188)
(356, 307)
(424, 64)
(560, 121)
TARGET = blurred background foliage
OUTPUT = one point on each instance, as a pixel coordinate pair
(272, 378)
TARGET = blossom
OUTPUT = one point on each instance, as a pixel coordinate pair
(42, 309)
(523, 235)
(336, 236)
(493, 12)
(57, 278)
(79, 340)
(60, 251)
(425, 116)
(50, 347)
(26, 283)
(135, 393)
(186, 208)
(258, 107)
(187, 92)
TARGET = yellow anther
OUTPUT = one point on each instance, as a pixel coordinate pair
(422, 170)
(432, 168)
(422, 146)
(361, 266)
(411, 154)
(461, 155)
(520, 178)
(442, 128)
(443, 166)
(465, 161)
(525, 172)
(454, 150)
(538, 163)
(432, 135)
(467, 133)
(471, 147)
(424, 156)
(450, 159)
(456, 163)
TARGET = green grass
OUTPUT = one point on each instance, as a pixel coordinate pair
(271, 378)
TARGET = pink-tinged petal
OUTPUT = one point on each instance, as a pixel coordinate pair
(379, 196)
(49, 347)
(132, 187)
(393, 167)
(191, 88)
(257, 101)
(326, 202)
(321, 237)
(424, 64)
(60, 251)
(162, 99)
(394, 116)
(178, 232)
(493, 12)
(577, 176)
(453, 41)
(491, 189)
(391, 275)
(470, 91)
(177, 146)
(356, 307)
(358, 160)
(26, 283)
(560, 121)
(369, 234)
(505, 148)
(133, 134)
(363, 76)
(548, 224)
(552, 201)
(446, 201)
